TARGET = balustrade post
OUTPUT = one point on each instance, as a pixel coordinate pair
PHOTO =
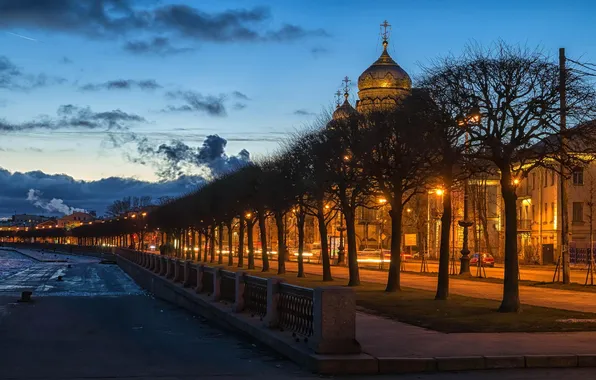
(200, 275)
(172, 268)
(239, 292)
(334, 321)
(163, 266)
(216, 284)
(186, 277)
(272, 317)
(168, 267)
(177, 272)
(152, 263)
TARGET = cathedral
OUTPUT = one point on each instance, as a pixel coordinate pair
(380, 86)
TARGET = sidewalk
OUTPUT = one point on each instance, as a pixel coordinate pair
(545, 297)
(382, 337)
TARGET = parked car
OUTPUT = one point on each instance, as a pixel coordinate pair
(487, 260)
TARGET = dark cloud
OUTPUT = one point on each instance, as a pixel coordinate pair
(293, 32)
(123, 84)
(239, 95)
(65, 60)
(89, 195)
(115, 18)
(13, 78)
(196, 102)
(176, 158)
(156, 46)
(80, 118)
(303, 112)
(318, 51)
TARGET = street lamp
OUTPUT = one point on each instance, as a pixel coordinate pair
(473, 118)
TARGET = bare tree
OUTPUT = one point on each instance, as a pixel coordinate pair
(516, 91)
(396, 155)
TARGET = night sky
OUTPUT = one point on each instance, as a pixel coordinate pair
(83, 83)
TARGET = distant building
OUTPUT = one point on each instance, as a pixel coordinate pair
(75, 219)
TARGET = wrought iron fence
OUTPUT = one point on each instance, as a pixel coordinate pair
(295, 308)
(255, 295)
(228, 286)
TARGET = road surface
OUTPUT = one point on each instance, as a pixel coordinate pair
(98, 324)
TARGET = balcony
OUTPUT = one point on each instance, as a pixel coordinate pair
(524, 225)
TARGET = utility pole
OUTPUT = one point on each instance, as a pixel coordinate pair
(563, 176)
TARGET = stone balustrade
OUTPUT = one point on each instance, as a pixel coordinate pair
(324, 317)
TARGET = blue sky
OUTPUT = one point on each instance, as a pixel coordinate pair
(279, 76)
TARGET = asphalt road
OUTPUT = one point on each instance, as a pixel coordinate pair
(97, 324)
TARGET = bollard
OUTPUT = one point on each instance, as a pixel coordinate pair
(272, 317)
(334, 321)
(163, 266)
(239, 285)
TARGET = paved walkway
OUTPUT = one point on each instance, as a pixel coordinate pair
(546, 297)
(383, 337)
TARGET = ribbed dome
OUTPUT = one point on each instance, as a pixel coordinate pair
(344, 111)
(383, 82)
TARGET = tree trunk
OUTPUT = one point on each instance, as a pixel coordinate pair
(206, 248)
(230, 230)
(193, 243)
(510, 301)
(281, 249)
(212, 243)
(240, 242)
(263, 234)
(324, 246)
(251, 246)
(443, 281)
(199, 244)
(300, 225)
(220, 241)
(354, 272)
(394, 276)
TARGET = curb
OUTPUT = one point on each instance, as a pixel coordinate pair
(362, 364)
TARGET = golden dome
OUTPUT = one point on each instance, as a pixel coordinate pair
(383, 83)
(345, 110)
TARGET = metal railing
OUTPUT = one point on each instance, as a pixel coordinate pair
(524, 224)
(255, 295)
(228, 286)
(295, 308)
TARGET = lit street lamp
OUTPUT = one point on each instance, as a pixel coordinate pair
(473, 118)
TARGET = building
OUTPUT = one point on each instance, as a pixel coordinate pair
(74, 220)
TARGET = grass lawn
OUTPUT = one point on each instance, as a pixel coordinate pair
(574, 286)
(458, 314)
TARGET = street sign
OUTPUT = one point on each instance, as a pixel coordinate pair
(410, 240)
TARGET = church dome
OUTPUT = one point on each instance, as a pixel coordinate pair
(383, 83)
(345, 110)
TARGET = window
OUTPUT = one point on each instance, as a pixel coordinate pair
(545, 212)
(545, 178)
(578, 176)
(578, 211)
(552, 212)
(552, 178)
(533, 213)
(533, 181)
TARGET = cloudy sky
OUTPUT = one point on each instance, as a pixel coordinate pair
(92, 88)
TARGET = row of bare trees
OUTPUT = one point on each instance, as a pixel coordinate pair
(490, 111)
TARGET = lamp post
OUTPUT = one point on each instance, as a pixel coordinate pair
(340, 249)
(473, 118)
